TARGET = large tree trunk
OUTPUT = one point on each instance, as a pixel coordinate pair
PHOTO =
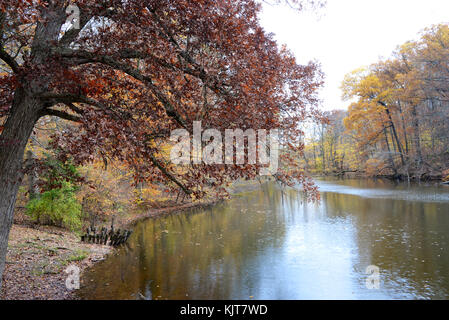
(13, 140)
(25, 112)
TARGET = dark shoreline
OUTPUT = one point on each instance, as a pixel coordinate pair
(398, 177)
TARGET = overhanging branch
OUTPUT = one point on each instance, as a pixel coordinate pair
(61, 114)
(169, 175)
(9, 60)
(136, 74)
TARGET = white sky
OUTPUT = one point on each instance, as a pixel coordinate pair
(348, 34)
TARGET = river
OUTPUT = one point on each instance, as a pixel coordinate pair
(270, 244)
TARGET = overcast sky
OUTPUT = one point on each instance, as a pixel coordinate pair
(349, 34)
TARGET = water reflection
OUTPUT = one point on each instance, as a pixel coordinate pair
(269, 244)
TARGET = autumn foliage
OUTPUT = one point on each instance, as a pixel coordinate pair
(134, 71)
(131, 79)
(397, 124)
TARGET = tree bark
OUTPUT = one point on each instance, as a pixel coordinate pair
(13, 140)
(404, 129)
(33, 188)
(395, 135)
(416, 136)
(390, 157)
(25, 111)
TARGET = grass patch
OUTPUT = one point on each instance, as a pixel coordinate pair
(79, 255)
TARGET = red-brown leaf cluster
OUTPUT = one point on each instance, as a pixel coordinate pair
(141, 68)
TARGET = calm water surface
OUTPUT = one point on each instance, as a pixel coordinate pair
(269, 244)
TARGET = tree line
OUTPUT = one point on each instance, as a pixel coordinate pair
(397, 124)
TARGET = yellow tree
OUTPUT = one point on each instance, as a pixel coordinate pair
(371, 116)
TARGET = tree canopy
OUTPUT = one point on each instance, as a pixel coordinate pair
(398, 120)
(135, 70)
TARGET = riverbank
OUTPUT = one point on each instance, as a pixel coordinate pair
(36, 259)
(38, 255)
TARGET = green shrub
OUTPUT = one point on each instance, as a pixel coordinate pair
(57, 207)
(79, 255)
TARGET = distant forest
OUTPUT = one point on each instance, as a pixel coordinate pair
(397, 124)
